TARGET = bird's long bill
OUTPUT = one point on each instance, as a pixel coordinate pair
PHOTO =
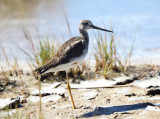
(95, 27)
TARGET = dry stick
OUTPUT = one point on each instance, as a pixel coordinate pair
(5, 57)
(114, 86)
(40, 96)
(67, 22)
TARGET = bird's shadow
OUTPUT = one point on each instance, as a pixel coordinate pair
(110, 110)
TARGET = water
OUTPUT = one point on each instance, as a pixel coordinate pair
(130, 21)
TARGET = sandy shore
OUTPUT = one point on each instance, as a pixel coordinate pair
(129, 96)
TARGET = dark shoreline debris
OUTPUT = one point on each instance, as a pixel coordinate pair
(14, 103)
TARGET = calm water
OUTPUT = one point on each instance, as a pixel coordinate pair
(131, 20)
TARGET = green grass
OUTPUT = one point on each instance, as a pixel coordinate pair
(41, 51)
(46, 52)
(106, 56)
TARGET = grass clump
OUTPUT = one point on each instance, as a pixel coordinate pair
(41, 51)
(106, 56)
(9, 68)
(46, 52)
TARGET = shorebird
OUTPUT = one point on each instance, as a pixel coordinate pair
(71, 53)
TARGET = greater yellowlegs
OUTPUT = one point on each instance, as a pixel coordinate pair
(71, 53)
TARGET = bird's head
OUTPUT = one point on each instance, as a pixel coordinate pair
(86, 25)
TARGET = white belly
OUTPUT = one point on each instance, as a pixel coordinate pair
(67, 66)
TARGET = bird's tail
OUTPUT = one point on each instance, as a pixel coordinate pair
(38, 70)
(41, 70)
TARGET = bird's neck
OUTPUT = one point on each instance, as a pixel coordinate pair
(84, 34)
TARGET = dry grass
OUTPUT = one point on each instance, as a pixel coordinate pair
(106, 56)
(41, 52)
(8, 68)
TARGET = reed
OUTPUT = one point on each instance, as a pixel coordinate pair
(105, 55)
(41, 52)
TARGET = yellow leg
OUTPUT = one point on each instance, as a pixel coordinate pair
(68, 86)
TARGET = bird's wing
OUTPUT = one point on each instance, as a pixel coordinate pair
(67, 52)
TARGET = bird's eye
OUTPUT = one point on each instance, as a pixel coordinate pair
(86, 23)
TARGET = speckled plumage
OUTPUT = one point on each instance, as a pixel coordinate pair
(69, 51)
